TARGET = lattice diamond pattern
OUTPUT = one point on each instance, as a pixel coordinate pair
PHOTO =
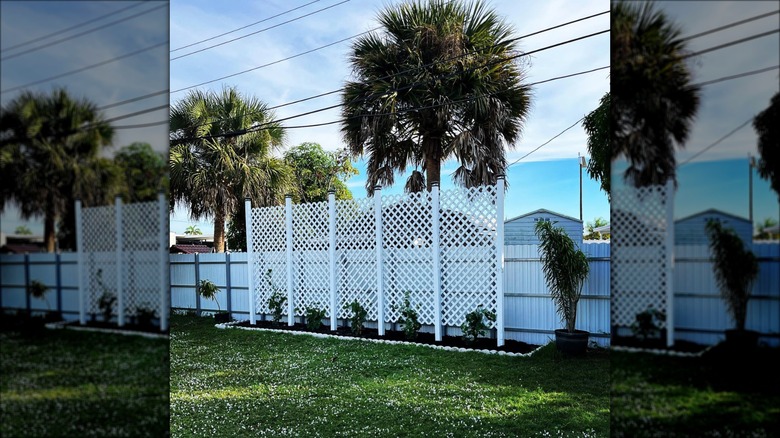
(356, 255)
(468, 262)
(408, 262)
(638, 272)
(99, 244)
(310, 257)
(141, 256)
(268, 245)
(467, 244)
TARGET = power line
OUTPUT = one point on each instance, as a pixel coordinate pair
(269, 124)
(24, 52)
(261, 30)
(35, 40)
(716, 142)
(244, 27)
(736, 76)
(545, 143)
(142, 125)
(730, 25)
(79, 70)
(732, 43)
(134, 99)
(387, 76)
(241, 132)
(274, 62)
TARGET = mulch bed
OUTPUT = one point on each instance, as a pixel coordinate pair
(510, 346)
(657, 344)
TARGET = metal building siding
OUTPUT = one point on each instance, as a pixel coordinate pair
(520, 230)
(691, 230)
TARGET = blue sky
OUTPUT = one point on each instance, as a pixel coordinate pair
(127, 78)
(547, 178)
(718, 177)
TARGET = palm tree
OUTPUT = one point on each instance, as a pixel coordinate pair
(652, 100)
(769, 143)
(192, 230)
(50, 147)
(437, 83)
(596, 124)
(211, 173)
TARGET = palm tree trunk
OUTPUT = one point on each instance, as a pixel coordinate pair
(219, 231)
(49, 236)
(432, 162)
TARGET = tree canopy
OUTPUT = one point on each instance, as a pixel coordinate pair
(596, 125)
(438, 82)
(145, 172)
(652, 102)
(766, 125)
(316, 171)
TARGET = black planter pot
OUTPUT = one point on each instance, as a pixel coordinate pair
(221, 317)
(574, 344)
(742, 338)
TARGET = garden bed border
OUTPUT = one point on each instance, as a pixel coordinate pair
(69, 326)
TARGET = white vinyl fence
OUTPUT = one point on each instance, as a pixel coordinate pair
(529, 313)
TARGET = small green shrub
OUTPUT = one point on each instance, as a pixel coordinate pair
(646, 324)
(475, 325)
(144, 315)
(277, 300)
(38, 290)
(358, 317)
(314, 315)
(208, 290)
(409, 319)
(106, 300)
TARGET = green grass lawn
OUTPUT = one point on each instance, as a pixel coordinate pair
(250, 383)
(714, 395)
(80, 384)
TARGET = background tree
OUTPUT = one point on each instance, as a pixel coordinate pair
(50, 147)
(766, 125)
(596, 125)
(315, 171)
(652, 102)
(23, 231)
(594, 235)
(211, 173)
(192, 230)
(145, 172)
(436, 83)
(763, 234)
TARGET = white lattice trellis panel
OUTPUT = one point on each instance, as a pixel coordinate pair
(639, 251)
(468, 253)
(99, 243)
(356, 255)
(269, 245)
(310, 257)
(408, 257)
(141, 256)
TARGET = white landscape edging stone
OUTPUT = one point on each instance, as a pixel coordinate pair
(234, 325)
(65, 325)
(660, 352)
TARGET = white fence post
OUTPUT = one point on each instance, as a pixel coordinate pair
(80, 265)
(435, 228)
(250, 259)
(165, 290)
(669, 204)
(288, 225)
(500, 260)
(334, 312)
(380, 289)
(120, 299)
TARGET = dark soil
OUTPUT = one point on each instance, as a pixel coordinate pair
(510, 345)
(132, 327)
(22, 321)
(656, 344)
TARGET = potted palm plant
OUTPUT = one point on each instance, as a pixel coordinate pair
(208, 290)
(736, 268)
(565, 269)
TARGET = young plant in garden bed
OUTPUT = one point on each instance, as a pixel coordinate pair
(314, 315)
(208, 290)
(277, 300)
(358, 317)
(144, 315)
(475, 325)
(647, 323)
(409, 319)
(107, 299)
